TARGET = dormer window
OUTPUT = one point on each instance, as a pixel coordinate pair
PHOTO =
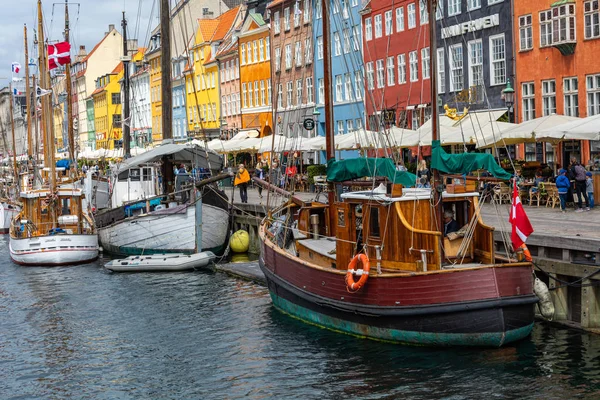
(563, 27)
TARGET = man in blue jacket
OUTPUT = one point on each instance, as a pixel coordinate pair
(562, 184)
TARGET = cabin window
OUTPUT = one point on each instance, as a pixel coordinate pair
(123, 176)
(147, 174)
(134, 175)
(66, 206)
(341, 218)
(374, 222)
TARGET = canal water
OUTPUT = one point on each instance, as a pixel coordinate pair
(85, 333)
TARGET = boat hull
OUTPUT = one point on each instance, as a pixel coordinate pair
(157, 233)
(161, 263)
(488, 307)
(54, 250)
(6, 216)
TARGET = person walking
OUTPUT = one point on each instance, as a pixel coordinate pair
(242, 177)
(563, 184)
(589, 188)
(259, 173)
(578, 172)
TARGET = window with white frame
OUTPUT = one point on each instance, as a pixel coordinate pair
(299, 87)
(456, 67)
(349, 125)
(262, 93)
(571, 93)
(309, 90)
(401, 68)
(267, 48)
(269, 94)
(318, 9)
(286, 19)
(298, 53)
(380, 74)
(592, 87)
(244, 101)
(473, 4)
(347, 87)
(545, 28)
(356, 37)
(345, 9)
(453, 7)
(256, 98)
(290, 94)
(391, 76)
(336, 7)
(340, 127)
(346, 44)
(476, 64)
(261, 50)
(288, 56)
(497, 60)
(378, 31)
(423, 12)
(337, 44)
(525, 33)
(307, 51)
(339, 88)
(425, 66)
(490, 2)
(358, 85)
(249, 52)
(368, 29)
(243, 55)
(321, 91)
(528, 97)
(277, 59)
(297, 14)
(563, 24)
(255, 51)
(276, 21)
(319, 47)
(441, 71)
(354, 3)
(413, 66)
(548, 97)
(412, 18)
(439, 10)
(388, 23)
(370, 76)
(280, 96)
(399, 19)
(591, 19)
(307, 10)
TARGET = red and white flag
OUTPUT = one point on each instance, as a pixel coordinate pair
(521, 227)
(59, 54)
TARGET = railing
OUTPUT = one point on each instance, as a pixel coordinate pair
(29, 229)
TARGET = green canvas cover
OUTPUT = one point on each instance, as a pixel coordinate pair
(464, 163)
(345, 170)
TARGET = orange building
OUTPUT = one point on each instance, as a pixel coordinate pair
(255, 74)
(556, 70)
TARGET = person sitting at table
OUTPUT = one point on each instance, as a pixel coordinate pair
(450, 224)
(536, 182)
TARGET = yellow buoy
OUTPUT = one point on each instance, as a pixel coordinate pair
(239, 241)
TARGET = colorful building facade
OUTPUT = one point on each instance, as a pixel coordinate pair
(107, 110)
(229, 78)
(153, 57)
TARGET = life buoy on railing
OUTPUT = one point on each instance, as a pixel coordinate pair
(363, 273)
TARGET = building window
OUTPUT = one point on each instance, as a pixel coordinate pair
(345, 9)
(368, 29)
(563, 24)
(413, 66)
(391, 78)
(439, 10)
(570, 90)
(412, 18)
(349, 125)
(268, 92)
(299, 86)
(249, 52)
(290, 94)
(116, 121)
(441, 81)
(549, 97)
(277, 59)
(370, 76)
(339, 95)
(338, 44)
(309, 90)
(347, 87)
(318, 9)
(307, 11)
(256, 98)
(358, 84)
(321, 91)
(425, 62)
(244, 102)
(340, 127)
(307, 51)
(401, 68)
(388, 23)
(255, 51)
(356, 38)
(286, 19)
(456, 67)
(243, 56)
(377, 20)
(346, 35)
(453, 7)
(358, 124)
(593, 94)
(591, 19)
(267, 48)
(380, 74)
(320, 47)
(497, 60)
(525, 33)
(423, 13)
(473, 4)
(399, 19)
(298, 53)
(288, 56)
(528, 96)
(262, 93)
(261, 50)
(276, 26)
(280, 96)
(476, 64)
(297, 14)
(545, 28)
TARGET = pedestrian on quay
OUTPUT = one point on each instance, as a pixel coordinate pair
(259, 173)
(589, 187)
(562, 185)
(275, 173)
(578, 172)
(242, 177)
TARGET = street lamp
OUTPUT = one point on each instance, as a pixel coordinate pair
(509, 99)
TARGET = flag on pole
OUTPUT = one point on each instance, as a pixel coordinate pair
(42, 92)
(16, 67)
(16, 92)
(59, 54)
(521, 227)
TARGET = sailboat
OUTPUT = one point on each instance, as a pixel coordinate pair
(52, 228)
(376, 264)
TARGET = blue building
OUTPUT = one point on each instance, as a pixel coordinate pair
(179, 101)
(346, 65)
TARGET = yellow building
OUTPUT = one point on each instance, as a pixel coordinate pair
(154, 59)
(202, 78)
(107, 110)
(59, 100)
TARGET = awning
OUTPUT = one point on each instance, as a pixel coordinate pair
(177, 153)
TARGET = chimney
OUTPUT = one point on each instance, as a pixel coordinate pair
(81, 54)
(111, 27)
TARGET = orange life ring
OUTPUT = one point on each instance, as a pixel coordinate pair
(364, 273)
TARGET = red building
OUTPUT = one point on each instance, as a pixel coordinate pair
(396, 59)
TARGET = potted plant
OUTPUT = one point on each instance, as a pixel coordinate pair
(312, 171)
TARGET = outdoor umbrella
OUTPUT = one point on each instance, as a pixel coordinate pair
(578, 129)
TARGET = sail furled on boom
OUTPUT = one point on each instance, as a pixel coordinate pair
(345, 170)
(465, 163)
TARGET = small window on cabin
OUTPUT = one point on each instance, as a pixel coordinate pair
(66, 206)
(147, 174)
(374, 222)
(341, 218)
(123, 176)
(134, 175)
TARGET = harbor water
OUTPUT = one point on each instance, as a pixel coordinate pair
(85, 333)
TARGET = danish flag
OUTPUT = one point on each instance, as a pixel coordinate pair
(521, 227)
(59, 54)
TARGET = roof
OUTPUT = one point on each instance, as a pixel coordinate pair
(275, 2)
(226, 20)
(100, 89)
(118, 68)
(207, 28)
(95, 47)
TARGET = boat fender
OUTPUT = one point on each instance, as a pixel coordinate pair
(526, 253)
(363, 273)
(546, 306)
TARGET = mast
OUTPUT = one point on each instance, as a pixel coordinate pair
(329, 125)
(126, 122)
(27, 98)
(14, 143)
(70, 134)
(435, 122)
(165, 64)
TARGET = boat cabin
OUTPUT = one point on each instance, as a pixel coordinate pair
(135, 184)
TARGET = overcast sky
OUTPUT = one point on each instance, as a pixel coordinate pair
(89, 21)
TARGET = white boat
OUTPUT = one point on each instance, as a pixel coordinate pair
(7, 212)
(161, 262)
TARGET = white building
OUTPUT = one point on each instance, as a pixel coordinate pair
(139, 100)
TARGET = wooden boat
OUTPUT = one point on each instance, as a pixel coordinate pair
(375, 264)
(161, 262)
(7, 213)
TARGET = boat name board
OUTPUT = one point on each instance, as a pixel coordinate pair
(471, 26)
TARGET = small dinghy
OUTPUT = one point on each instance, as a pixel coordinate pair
(161, 262)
